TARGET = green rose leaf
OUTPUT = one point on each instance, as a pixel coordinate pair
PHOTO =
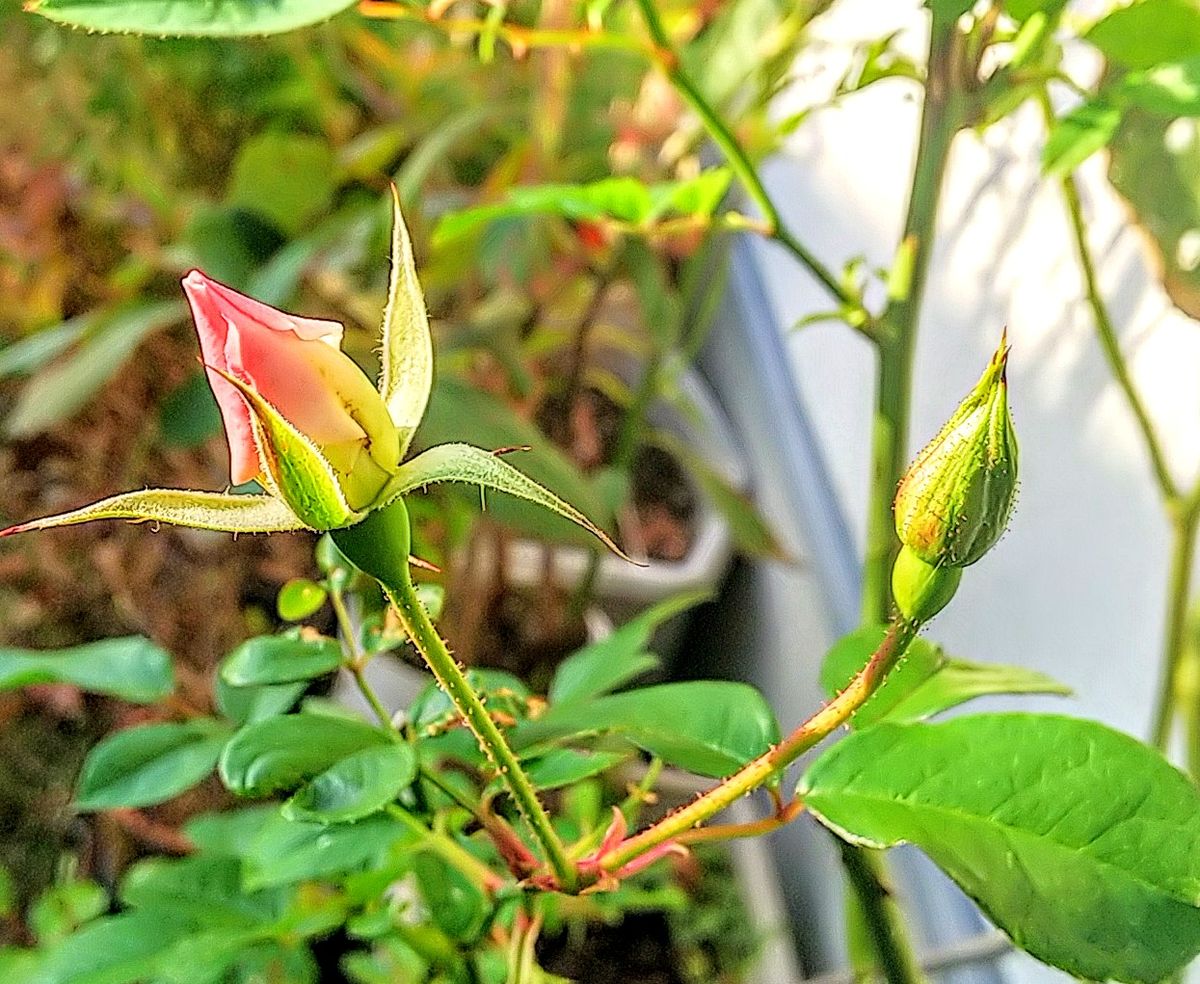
(149, 764)
(281, 659)
(926, 682)
(613, 661)
(710, 727)
(358, 785)
(1080, 843)
(133, 668)
(189, 18)
(280, 753)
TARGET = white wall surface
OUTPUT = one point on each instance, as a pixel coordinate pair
(1077, 587)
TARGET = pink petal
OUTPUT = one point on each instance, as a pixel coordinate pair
(212, 328)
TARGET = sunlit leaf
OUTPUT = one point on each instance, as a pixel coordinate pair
(406, 375)
(181, 507)
(1078, 841)
(189, 18)
(475, 466)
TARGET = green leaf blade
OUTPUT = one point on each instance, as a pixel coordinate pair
(190, 18)
(281, 753)
(180, 507)
(267, 660)
(359, 785)
(149, 764)
(709, 727)
(1080, 843)
(406, 376)
(132, 668)
(475, 466)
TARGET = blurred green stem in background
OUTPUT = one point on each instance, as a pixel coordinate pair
(1178, 692)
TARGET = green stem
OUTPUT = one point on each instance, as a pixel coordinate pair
(1174, 696)
(379, 545)
(449, 851)
(357, 662)
(755, 773)
(739, 161)
(941, 118)
(1108, 334)
(943, 115)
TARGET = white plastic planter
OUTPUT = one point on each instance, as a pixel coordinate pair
(622, 588)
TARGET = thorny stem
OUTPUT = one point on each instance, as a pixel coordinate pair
(941, 118)
(945, 110)
(755, 773)
(379, 545)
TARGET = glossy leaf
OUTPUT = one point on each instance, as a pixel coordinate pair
(283, 852)
(280, 753)
(358, 785)
(122, 949)
(709, 727)
(611, 662)
(475, 466)
(133, 668)
(406, 374)
(246, 705)
(281, 659)
(148, 764)
(1079, 842)
(223, 19)
(926, 682)
(180, 507)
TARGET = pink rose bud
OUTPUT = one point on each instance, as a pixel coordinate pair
(260, 359)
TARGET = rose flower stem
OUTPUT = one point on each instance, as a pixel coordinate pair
(380, 545)
(755, 773)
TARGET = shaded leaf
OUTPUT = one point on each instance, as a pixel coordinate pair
(281, 659)
(1079, 842)
(710, 727)
(149, 764)
(561, 767)
(280, 753)
(611, 662)
(133, 668)
(59, 391)
(285, 177)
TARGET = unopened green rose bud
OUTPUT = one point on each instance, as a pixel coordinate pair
(956, 497)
